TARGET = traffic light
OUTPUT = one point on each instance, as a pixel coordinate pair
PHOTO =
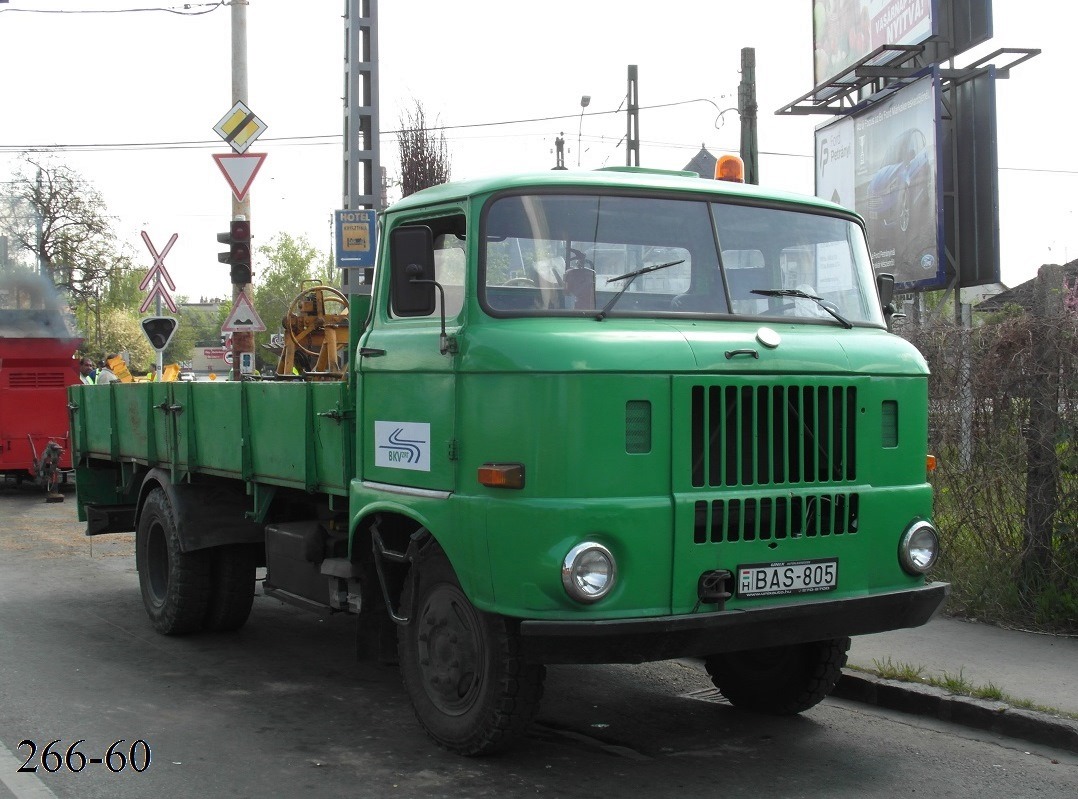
(238, 239)
(159, 330)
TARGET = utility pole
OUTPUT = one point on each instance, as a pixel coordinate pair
(746, 108)
(364, 183)
(40, 227)
(632, 124)
(242, 342)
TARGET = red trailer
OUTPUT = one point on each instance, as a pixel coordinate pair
(37, 364)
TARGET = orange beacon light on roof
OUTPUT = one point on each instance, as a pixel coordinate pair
(730, 167)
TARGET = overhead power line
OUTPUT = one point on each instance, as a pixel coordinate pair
(335, 138)
(208, 142)
(187, 10)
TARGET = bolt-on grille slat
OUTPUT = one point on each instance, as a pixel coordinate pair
(773, 435)
(767, 518)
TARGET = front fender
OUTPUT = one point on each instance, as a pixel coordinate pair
(439, 513)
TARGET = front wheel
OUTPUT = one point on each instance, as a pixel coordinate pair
(472, 691)
(781, 680)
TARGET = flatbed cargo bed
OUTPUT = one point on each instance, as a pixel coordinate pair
(292, 434)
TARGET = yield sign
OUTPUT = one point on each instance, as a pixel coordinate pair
(243, 318)
(239, 170)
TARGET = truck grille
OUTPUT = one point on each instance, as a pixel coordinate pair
(769, 435)
(766, 518)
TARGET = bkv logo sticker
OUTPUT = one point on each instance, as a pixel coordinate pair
(402, 445)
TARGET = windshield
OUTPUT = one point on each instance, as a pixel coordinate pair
(575, 254)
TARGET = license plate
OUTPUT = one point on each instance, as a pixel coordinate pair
(791, 577)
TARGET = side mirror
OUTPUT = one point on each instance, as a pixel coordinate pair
(411, 267)
(885, 287)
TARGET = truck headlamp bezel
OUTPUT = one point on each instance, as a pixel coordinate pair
(588, 572)
(919, 548)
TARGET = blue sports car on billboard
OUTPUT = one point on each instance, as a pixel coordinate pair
(902, 187)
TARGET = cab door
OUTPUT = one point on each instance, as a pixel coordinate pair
(408, 374)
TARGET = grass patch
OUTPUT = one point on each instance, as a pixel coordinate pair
(956, 684)
(991, 692)
(904, 672)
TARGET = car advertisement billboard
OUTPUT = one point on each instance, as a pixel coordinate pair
(885, 158)
(845, 31)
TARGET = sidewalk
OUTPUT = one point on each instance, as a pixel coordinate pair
(1042, 669)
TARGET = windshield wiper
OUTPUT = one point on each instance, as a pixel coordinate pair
(827, 305)
(629, 277)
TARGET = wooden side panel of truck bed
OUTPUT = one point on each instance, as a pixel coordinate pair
(292, 434)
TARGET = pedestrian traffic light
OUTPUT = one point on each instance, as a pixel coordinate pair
(238, 239)
(159, 330)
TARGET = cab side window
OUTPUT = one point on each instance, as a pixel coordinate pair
(450, 261)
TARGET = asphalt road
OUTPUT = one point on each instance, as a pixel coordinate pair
(282, 709)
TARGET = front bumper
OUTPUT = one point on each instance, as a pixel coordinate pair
(701, 634)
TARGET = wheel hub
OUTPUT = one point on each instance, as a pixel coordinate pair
(450, 657)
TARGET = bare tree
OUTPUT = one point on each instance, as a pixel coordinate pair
(423, 153)
(60, 220)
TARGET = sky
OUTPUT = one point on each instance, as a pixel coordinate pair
(129, 99)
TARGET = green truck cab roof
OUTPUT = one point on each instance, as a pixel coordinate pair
(611, 178)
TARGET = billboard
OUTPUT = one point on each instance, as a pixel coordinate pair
(971, 180)
(845, 31)
(883, 162)
(835, 162)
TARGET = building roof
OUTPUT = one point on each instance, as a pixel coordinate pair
(1022, 294)
(703, 164)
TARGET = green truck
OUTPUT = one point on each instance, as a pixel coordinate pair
(587, 417)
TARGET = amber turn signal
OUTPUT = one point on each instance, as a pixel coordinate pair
(502, 475)
(930, 463)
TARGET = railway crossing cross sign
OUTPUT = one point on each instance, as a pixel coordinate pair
(157, 275)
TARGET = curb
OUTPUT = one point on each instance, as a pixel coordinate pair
(980, 714)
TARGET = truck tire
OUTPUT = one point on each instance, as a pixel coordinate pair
(232, 587)
(175, 585)
(471, 690)
(781, 680)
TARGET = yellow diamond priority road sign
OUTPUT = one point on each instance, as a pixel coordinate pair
(240, 127)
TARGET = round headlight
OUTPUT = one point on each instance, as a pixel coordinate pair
(588, 572)
(920, 547)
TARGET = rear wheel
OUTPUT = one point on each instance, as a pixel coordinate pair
(472, 691)
(781, 680)
(175, 585)
(232, 587)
